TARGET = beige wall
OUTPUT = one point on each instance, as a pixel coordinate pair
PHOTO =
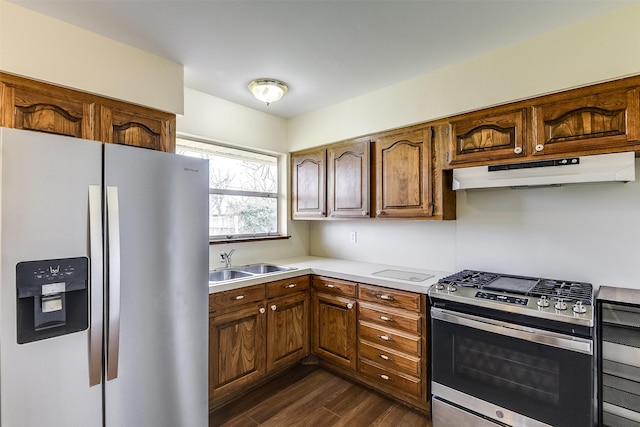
(42, 48)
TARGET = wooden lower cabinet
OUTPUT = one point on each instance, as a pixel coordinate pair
(236, 350)
(288, 330)
(334, 329)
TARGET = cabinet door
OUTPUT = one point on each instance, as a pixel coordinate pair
(236, 350)
(137, 126)
(481, 138)
(403, 175)
(348, 179)
(38, 107)
(588, 124)
(334, 329)
(308, 185)
(288, 330)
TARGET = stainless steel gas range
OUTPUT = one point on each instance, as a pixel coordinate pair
(511, 350)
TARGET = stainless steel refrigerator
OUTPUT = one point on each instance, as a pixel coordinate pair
(103, 292)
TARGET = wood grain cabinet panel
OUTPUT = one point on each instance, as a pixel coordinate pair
(38, 107)
(334, 329)
(236, 350)
(484, 138)
(403, 175)
(137, 126)
(308, 184)
(348, 179)
(590, 123)
(288, 330)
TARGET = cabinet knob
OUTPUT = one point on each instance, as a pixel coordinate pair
(385, 338)
(385, 377)
(385, 357)
(517, 150)
(364, 213)
(378, 212)
(385, 297)
(385, 318)
(238, 297)
(261, 310)
(330, 286)
(274, 307)
(290, 286)
(539, 147)
(350, 305)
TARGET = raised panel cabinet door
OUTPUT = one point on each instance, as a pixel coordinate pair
(236, 350)
(308, 184)
(137, 126)
(44, 108)
(588, 124)
(482, 138)
(288, 330)
(403, 175)
(348, 179)
(334, 329)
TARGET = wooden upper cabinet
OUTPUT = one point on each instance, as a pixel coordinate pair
(487, 137)
(587, 124)
(31, 105)
(35, 106)
(137, 126)
(348, 179)
(403, 186)
(308, 185)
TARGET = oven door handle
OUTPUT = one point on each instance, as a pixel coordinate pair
(539, 336)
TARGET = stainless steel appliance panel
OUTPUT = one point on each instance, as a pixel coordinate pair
(44, 182)
(162, 343)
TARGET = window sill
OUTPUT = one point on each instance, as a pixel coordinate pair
(247, 239)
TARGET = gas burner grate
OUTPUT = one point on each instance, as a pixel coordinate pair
(569, 291)
(470, 278)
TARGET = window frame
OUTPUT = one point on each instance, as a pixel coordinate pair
(279, 195)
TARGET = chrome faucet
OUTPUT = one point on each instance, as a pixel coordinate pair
(225, 257)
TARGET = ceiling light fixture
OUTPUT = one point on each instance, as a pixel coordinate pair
(268, 90)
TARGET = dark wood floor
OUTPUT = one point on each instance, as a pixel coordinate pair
(315, 398)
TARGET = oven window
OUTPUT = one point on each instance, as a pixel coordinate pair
(511, 370)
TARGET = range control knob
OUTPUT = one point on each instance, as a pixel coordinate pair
(560, 305)
(543, 301)
(439, 286)
(578, 307)
(451, 287)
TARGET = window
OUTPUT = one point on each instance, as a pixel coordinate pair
(243, 190)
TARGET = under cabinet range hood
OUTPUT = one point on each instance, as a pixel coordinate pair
(567, 170)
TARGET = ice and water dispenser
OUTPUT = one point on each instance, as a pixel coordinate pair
(51, 297)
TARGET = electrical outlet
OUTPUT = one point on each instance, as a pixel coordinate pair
(353, 237)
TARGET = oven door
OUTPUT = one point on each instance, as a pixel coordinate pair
(513, 372)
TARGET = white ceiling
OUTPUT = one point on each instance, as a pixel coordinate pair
(326, 51)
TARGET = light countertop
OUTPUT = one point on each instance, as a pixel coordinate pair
(355, 271)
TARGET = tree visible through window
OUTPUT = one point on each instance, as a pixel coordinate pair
(243, 189)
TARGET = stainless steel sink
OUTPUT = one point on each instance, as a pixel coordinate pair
(226, 274)
(262, 268)
(231, 273)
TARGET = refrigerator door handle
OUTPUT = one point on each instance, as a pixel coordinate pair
(113, 241)
(97, 281)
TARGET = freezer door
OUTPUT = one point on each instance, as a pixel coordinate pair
(158, 329)
(44, 205)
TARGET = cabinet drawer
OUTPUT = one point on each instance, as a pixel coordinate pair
(390, 338)
(409, 321)
(236, 297)
(287, 286)
(390, 359)
(390, 297)
(334, 286)
(389, 378)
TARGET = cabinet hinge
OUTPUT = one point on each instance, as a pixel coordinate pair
(433, 209)
(447, 156)
(447, 130)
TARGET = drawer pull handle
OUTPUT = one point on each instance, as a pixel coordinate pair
(350, 305)
(385, 377)
(385, 297)
(262, 310)
(385, 318)
(238, 297)
(290, 286)
(385, 357)
(330, 286)
(385, 338)
(274, 307)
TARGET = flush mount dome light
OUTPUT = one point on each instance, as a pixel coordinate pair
(268, 90)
